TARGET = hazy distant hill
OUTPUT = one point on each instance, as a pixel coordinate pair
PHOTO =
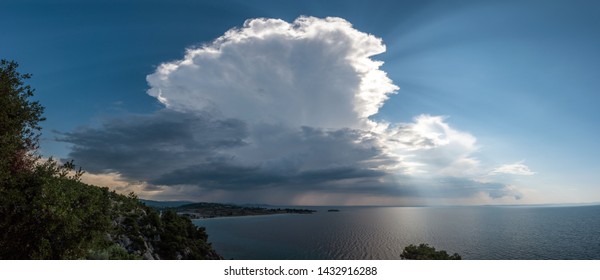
(164, 204)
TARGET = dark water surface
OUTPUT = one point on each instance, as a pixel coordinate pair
(482, 232)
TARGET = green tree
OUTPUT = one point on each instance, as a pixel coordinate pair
(180, 239)
(19, 121)
(426, 252)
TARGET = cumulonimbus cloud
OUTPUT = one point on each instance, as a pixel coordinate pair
(280, 112)
(312, 72)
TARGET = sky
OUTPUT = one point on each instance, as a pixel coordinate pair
(319, 102)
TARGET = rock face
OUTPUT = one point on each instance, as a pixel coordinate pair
(141, 232)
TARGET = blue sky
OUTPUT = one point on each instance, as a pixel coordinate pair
(503, 92)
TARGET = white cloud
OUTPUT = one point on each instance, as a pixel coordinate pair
(517, 168)
(429, 146)
(312, 72)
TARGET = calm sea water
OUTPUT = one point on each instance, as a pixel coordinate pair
(484, 232)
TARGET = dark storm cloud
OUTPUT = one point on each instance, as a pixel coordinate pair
(222, 175)
(173, 148)
(143, 147)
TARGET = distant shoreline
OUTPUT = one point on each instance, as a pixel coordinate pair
(206, 210)
(194, 216)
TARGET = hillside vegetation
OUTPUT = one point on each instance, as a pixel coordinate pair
(426, 252)
(47, 213)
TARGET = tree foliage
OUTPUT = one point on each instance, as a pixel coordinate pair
(179, 235)
(19, 121)
(426, 252)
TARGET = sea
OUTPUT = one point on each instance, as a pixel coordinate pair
(381, 233)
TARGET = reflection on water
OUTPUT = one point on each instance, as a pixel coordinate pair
(382, 233)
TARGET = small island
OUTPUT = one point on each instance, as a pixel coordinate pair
(205, 210)
(333, 210)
